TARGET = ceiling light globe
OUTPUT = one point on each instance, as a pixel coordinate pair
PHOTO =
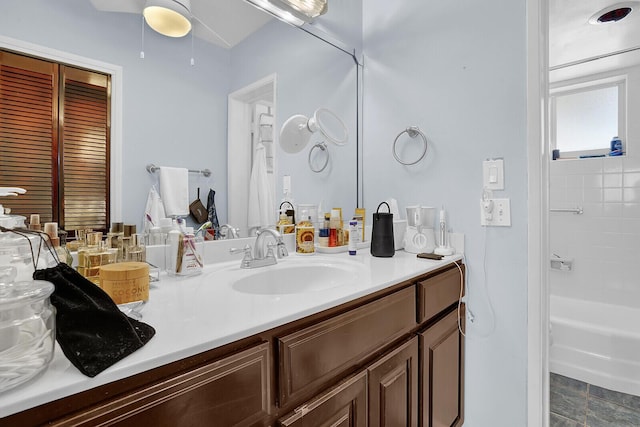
(168, 17)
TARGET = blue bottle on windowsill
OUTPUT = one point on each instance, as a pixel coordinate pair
(616, 147)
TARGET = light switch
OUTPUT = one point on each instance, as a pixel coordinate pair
(493, 174)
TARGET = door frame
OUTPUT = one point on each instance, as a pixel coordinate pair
(538, 213)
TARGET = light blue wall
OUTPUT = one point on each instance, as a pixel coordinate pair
(174, 114)
(457, 70)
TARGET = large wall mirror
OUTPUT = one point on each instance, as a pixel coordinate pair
(173, 113)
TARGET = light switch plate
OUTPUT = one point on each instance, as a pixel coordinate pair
(500, 213)
(493, 174)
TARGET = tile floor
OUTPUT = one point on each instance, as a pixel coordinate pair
(575, 403)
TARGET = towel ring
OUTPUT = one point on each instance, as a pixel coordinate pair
(322, 146)
(412, 131)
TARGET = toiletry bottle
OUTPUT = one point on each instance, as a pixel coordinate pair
(64, 254)
(305, 236)
(166, 225)
(173, 251)
(323, 232)
(183, 257)
(360, 215)
(284, 223)
(354, 236)
(87, 254)
(51, 229)
(191, 262)
(34, 222)
(334, 225)
(616, 147)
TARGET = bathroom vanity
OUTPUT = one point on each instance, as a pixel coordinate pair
(384, 351)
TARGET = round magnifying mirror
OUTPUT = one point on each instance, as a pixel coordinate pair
(331, 126)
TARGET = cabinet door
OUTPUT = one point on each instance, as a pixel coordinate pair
(232, 391)
(442, 359)
(342, 406)
(393, 388)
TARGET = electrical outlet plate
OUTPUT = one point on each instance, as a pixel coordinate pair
(500, 214)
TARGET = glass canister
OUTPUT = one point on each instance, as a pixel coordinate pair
(27, 328)
(25, 252)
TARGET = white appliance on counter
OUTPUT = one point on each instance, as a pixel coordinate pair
(420, 236)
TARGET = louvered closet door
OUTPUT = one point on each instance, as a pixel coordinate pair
(84, 141)
(28, 133)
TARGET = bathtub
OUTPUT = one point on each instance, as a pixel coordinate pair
(596, 342)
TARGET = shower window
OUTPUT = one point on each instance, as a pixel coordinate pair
(585, 117)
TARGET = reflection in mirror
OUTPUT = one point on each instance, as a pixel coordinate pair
(310, 74)
(169, 112)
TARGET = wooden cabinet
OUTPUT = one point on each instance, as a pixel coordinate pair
(392, 358)
(342, 406)
(233, 391)
(442, 356)
(393, 387)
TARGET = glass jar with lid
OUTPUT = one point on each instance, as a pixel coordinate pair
(27, 328)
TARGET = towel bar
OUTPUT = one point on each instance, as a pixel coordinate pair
(151, 168)
(577, 211)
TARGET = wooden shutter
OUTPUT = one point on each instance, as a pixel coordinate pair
(28, 133)
(84, 149)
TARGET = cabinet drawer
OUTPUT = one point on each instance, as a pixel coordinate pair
(232, 391)
(343, 406)
(316, 354)
(437, 293)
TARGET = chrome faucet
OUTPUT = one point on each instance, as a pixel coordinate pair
(259, 251)
(230, 232)
(259, 258)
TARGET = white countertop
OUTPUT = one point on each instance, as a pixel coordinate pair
(199, 313)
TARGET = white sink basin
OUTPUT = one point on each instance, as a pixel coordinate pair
(293, 275)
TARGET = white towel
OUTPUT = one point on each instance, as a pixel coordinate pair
(174, 189)
(261, 202)
(153, 211)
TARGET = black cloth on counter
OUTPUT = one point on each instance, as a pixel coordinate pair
(90, 328)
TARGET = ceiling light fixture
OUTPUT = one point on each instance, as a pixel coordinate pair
(294, 12)
(171, 18)
(613, 13)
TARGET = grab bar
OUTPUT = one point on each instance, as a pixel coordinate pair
(577, 211)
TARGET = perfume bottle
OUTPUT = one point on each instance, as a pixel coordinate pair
(93, 255)
(136, 251)
(115, 238)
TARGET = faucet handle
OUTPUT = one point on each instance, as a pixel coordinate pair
(235, 251)
(247, 258)
(281, 249)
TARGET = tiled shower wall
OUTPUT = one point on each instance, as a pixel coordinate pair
(604, 242)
